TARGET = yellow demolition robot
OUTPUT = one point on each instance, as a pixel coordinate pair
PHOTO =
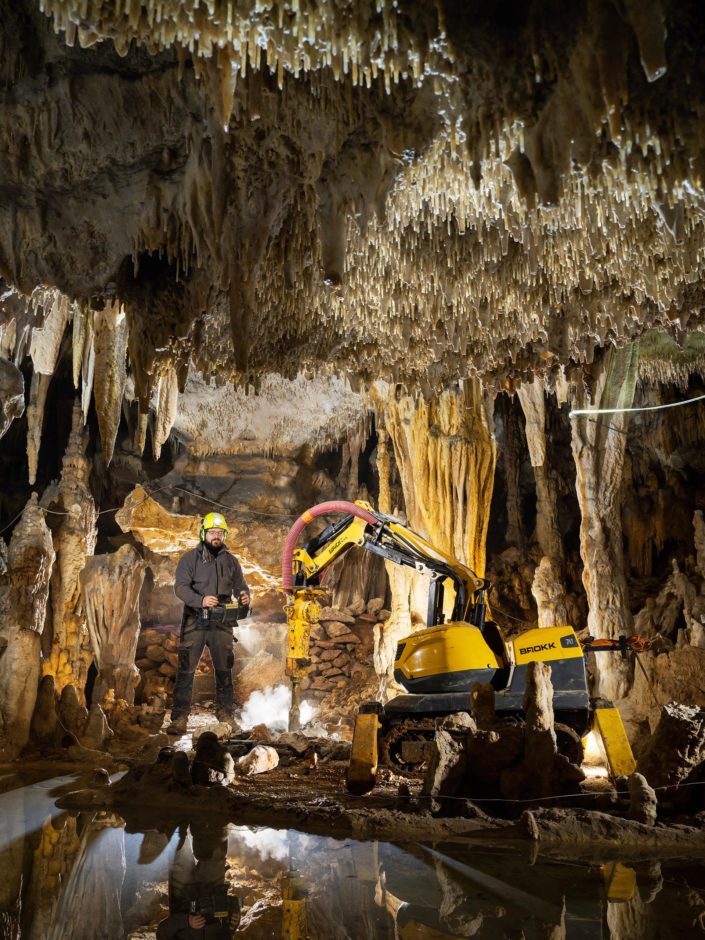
(439, 665)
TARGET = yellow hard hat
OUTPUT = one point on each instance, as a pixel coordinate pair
(213, 520)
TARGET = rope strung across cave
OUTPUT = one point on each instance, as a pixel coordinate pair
(368, 798)
(63, 512)
(576, 412)
(151, 494)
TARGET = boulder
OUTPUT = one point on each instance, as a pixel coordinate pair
(335, 613)
(259, 760)
(676, 748)
(213, 764)
(375, 605)
(155, 652)
(448, 764)
(642, 801)
(221, 729)
(298, 743)
(336, 629)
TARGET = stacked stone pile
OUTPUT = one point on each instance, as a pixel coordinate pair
(157, 659)
(342, 645)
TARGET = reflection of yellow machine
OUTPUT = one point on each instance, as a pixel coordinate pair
(438, 666)
(294, 895)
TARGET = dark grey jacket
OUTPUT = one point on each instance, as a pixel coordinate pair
(199, 573)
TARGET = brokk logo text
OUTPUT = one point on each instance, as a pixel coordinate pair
(536, 649)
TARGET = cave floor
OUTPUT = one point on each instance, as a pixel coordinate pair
(123, 868)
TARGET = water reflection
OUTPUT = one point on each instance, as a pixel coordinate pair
(90, 877)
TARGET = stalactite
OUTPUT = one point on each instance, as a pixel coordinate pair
(110, 588)
(35, 421)
(599, 444)
(110, 373)
(74, 531)
(24, 590)
(165, 413)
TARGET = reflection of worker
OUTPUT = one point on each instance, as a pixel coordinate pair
(206, 577)
(200, 907)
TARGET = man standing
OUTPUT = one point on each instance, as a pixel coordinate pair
(206, 577)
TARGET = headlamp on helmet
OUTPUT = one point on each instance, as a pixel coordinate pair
(213, 520)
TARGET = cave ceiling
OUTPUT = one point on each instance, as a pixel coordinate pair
(416, 193)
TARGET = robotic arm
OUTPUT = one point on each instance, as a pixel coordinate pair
(382, 535)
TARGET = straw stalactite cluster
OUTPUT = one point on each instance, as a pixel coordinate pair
(415, 195)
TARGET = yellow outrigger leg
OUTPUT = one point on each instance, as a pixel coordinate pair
(609, 726)
(362, 770)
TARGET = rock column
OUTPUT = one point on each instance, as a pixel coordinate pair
(599, 443)
(68, 654)
(24, 590)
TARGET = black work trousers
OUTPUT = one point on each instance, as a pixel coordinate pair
(219, 640)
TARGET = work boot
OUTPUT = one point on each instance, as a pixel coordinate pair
(225, 714)
(178, 725)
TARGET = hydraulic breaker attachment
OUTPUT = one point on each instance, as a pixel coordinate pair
(609, 726)
(362, 770)
(302, 613)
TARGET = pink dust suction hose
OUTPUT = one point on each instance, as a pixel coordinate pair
(322, 509)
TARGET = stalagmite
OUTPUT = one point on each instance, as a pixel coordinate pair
(599, 443)
(11, 394)
(73, 522)
(110, 588)
(110, 375)
(24, 591)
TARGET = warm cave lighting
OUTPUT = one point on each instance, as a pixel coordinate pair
(594, 762)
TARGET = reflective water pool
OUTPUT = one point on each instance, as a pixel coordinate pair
(89, 877)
